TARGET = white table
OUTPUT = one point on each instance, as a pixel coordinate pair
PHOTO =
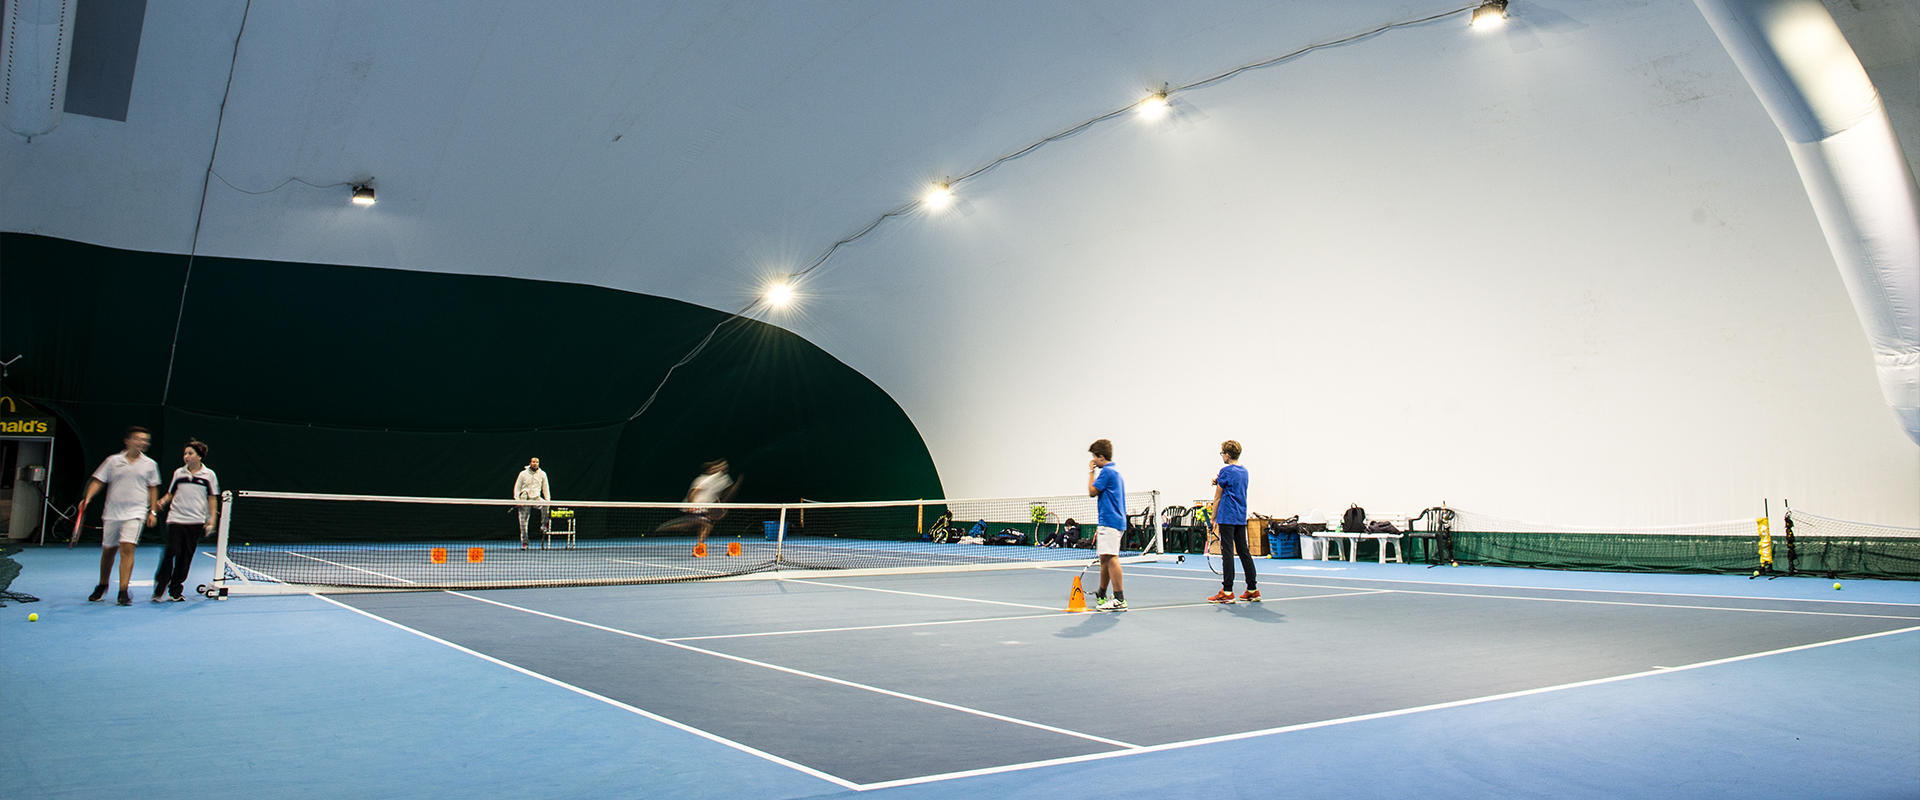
(1353, 544)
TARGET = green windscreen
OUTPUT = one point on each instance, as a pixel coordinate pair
(317, 378)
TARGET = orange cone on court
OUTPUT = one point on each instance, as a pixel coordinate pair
(733, 548)
(1077, 600)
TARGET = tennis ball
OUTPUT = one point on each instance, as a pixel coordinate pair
(33, 617)
(1836, 586)
(1756, 573)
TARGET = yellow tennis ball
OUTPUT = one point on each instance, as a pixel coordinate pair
(1836, 586)
(33, 617)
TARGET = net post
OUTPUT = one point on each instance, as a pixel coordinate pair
(1153, 520)
(920, 518)
(780, 538)
(217, 588)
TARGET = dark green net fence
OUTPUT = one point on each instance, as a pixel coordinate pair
(1817, 546)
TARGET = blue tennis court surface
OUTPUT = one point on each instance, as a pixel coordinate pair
(1381, 680)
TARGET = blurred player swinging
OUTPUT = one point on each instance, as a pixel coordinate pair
(713, 485)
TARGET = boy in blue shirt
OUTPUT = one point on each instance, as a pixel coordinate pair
(1230, 523)
(1103, 482)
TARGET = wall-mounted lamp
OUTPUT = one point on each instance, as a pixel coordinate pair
(1490, 14)
(362, 194)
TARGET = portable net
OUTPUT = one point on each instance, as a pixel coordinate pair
(273, 541)
(1836, 547)
(1727, 546)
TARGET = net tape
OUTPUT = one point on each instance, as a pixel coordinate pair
(1805, 524)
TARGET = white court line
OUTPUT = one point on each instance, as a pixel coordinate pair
(1562, 589)
(1001, 618)
(917, 594)
(668, 566)
(238, 565)
(836, 780)
(1588, 602)
(802, 673)
(344, 566)
(1365, 717)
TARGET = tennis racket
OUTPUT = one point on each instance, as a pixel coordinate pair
(77, 517)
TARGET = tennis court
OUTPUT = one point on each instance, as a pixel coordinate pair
(883, 679)
(955, 682)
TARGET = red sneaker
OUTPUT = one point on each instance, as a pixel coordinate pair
(1250, 595)
(1223, 597)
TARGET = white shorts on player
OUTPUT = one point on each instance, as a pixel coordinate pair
(115, 531)
(1106, 541)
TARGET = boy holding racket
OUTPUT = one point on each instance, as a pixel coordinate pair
(1104, 483)
(1230, 523)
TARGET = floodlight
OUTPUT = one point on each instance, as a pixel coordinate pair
(1490, 14)
(362, 194)
(939, 197)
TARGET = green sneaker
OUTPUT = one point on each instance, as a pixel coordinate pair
(1119, 605)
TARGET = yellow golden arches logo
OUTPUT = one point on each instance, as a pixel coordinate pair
(10, 408)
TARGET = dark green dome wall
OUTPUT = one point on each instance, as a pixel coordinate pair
(318, 378)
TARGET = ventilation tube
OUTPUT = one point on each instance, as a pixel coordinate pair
(38, 46)
(1797, 61)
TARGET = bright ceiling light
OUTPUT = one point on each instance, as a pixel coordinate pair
(1490, 14)
(362, 195)
(779, 294)
(1154, 106)
(939, 197)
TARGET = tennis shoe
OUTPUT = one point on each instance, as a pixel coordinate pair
(1250, 596)
(1119, 605)
(178, 598)
(1222, 597)
(98, 592)
(159, 598)
(1102, 604)
(125, 599)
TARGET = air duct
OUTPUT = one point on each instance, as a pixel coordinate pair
(39, 44)
(1808, 78)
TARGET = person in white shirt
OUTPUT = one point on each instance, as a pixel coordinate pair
(531, 484)
(132, 482)
(193, 508)
(712, 485)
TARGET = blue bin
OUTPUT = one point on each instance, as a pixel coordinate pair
(1283, 545)
(772, 528)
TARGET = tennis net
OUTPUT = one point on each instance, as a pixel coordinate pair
(1838, 548)
(275, 542)
(1728, 546)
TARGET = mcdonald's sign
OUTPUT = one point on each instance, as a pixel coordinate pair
(19, 418)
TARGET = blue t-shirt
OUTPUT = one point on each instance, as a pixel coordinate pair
(1233, 495)
(1113, 498)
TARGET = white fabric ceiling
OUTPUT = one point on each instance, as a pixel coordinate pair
(1564, 271)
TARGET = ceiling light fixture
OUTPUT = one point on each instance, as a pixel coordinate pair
(1490, 14)
(1155, 105)
(940, 196)
(779, 294)
(362, 194)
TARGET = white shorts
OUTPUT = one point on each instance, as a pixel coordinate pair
(1106, 541)
(115, 531)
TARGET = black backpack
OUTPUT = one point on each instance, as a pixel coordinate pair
(1355, 521)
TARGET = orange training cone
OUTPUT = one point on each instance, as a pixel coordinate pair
(733, 548)
(1077, 600)
(700, 550)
